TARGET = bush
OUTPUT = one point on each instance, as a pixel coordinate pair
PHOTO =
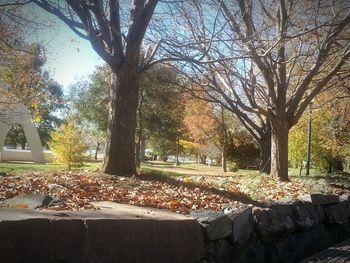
(232, 166)
(67, 145)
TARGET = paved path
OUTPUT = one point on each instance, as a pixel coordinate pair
(338, 253)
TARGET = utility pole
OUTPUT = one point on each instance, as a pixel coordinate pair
(309, 130)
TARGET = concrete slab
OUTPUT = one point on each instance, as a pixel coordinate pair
(116, 233)
(106, 210)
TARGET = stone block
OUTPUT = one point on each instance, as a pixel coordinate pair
(271, 223)
(337, 213)
(306, 215)
(216, 225)
(242, 224)
(320, 199)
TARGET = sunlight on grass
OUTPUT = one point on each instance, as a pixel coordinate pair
(15, 167)
(192, 169)
(259, 187)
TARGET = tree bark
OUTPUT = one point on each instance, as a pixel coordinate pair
(265, 153)
(224, 161)
(279, 150)
(202, 159)
(224, 157)
(97, 149)
(120, 146)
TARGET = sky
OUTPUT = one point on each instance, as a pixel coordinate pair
(69, 57)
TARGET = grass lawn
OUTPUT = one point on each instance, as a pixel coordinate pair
(18, 167)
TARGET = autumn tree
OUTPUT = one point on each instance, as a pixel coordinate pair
(21, 76)
(265, 61)
(23, 80)
(68, 146)
(209, 124)
(115, 30)
(329, 116)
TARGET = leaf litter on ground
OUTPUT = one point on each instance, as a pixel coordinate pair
(77, 190)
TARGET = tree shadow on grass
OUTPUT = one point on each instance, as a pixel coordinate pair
(166, 165)
(234, 196)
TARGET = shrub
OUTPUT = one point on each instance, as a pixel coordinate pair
(232, 166)
(67, 145)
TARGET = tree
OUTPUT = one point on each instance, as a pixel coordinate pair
(16, 136)
(25, 81)
(330, 141)
(89, 100)
(21, 76)
(159, 113)
(45, 113)
(117, 37)
(67, 145)
(209, 126)
(161, 110)
(242, 149)
(266, 61)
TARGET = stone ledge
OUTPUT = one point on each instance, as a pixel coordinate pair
(115, 234)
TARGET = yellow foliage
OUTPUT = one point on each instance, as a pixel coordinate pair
(67, 145)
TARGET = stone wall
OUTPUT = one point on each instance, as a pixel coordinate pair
(284, 232)
(114, 233)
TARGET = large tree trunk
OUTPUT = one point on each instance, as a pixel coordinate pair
(120, 146)
(279, 150)
(265, 153)
(202, 159)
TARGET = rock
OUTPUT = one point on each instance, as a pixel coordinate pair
(286, 201)
(337, 213)
(306, 215)
(271, 223)
(13, 177)
(309, 242)
(223, 251)
(54, 187)
(344, 198)
(215, 224)
(28, 201)
(320, 199)
(242, 224)
(320, 212)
